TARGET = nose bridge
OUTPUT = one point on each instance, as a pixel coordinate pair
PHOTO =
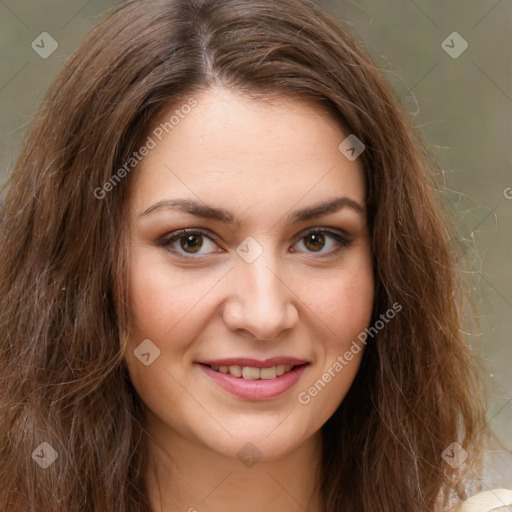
(261, 303)
(261, 280)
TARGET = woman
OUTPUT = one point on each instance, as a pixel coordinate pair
(227, 281)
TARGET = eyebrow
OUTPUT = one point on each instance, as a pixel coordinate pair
(209, 212)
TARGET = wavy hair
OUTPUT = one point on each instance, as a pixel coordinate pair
(64, 318)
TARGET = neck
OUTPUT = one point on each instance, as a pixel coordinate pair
(183, 476)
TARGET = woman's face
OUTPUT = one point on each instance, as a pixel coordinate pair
(268, 279)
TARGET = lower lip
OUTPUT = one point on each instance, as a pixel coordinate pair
(255, 389)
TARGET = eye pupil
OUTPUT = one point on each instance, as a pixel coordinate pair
(317, 241)
(191, 242)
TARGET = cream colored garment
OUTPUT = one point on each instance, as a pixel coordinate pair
(487, 501)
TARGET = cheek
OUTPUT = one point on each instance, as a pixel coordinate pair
(162, 298)
(157, 314)
(342, 305)
(353, 304)
(343, 302)
(171, 309)
(149, 290)
(160, 305)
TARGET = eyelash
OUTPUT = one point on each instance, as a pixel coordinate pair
(167, 240)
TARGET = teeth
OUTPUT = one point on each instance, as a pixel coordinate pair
(268, 373)
(280, 369)
(236, 371)
(248, 372)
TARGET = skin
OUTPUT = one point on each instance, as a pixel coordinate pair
(262, 161)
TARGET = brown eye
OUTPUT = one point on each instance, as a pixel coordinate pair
(314, 241)
(322, 241)
(191, 243)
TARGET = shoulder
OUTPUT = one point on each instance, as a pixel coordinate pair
(485, 501)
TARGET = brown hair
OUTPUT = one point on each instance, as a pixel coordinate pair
(63, 299)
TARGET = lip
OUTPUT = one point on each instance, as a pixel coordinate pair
(254, 363)
(254, 389)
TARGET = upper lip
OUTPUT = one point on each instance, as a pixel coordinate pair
(255, 363)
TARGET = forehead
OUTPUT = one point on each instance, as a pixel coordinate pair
(230, 148)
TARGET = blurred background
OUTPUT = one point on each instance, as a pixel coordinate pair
(449, 63)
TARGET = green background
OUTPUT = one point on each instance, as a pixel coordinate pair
(463, 105)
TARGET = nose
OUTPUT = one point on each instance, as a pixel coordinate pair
(261, 303)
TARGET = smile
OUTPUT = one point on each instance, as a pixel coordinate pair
(255, 380)
(252, 373)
